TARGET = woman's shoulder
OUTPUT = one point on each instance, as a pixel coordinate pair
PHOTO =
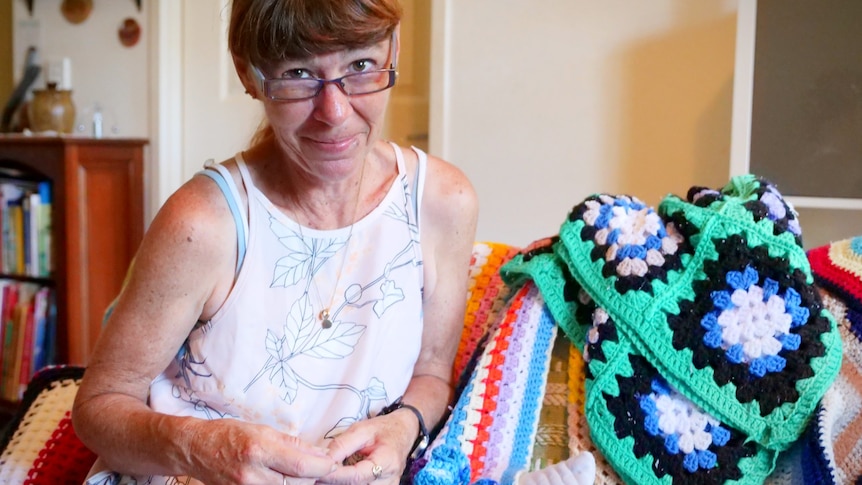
(198, 206)
(449, 194)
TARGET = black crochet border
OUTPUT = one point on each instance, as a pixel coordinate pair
(758, 209)
(775, 388)
(624, 284)
(630, 421)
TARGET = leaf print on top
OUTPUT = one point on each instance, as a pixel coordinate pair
(302, 260)
(302, 336)
(391, 295)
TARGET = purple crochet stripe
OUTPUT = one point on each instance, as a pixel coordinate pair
(536, 380)
(520, 342)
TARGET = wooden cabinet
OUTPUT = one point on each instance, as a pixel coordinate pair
(97, 224)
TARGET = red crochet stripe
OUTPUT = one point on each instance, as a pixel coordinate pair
(492, 387)
(825, 269)
(487, 287)
(63, 460)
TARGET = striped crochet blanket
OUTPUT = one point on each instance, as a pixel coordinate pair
(520, 390)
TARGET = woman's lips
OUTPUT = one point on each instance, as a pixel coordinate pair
(339, 145)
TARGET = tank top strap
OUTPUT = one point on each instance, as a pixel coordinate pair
(222, 177)
(419, 181)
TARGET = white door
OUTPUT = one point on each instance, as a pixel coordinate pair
(218, 117)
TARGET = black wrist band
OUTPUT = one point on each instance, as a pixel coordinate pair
(422, 440)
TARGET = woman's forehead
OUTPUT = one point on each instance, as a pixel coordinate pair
(344, 52)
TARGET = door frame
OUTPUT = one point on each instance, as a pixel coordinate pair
(166, 115)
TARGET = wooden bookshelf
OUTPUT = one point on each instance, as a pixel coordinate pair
(96, 226)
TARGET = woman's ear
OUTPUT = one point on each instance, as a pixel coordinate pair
(249, 82)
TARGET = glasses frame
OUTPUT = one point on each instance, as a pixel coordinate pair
(339, 81)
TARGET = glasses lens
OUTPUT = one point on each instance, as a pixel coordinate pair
(351, 84)
(287, 89)
(368, 82)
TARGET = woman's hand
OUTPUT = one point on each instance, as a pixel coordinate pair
(382, 442)
(228, 451)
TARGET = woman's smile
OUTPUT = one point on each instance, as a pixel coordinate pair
(333, 146)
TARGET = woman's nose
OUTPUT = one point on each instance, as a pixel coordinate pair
(332, 106)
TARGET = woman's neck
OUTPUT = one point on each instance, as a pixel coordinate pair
(309, 200)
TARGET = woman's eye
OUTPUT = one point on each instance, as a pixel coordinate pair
(363, 65)
(296, 74)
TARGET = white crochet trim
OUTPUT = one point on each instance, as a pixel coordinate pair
(42, 418)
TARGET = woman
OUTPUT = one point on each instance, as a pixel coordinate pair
(309, 290)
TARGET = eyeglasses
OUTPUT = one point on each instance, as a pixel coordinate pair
(351, 85)
(358, 83)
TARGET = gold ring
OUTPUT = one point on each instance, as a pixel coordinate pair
(376, 470)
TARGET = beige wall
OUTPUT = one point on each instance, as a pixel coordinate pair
(103, 71)
(5, 51)
(548, 101)
(541, 103)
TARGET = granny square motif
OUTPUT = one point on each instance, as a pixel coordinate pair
(716, 293)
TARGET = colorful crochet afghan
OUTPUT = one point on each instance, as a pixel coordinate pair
(833, 449)
(490, 433)
(707, 344)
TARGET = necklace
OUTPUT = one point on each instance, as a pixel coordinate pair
(325, 315)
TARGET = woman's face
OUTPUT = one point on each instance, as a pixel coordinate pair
(328, 134)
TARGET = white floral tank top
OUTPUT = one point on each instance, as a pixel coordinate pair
(265, 356)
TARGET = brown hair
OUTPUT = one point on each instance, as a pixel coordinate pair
(264, 32)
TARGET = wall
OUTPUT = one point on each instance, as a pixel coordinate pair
(542, 102)
(6, 80)
(548, 101)
(103, 70)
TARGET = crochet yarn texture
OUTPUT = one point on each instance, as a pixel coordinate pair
(707, 344)
(490, 433)
(40, 446)
(833, 451)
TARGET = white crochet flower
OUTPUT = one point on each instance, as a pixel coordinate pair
(679, 416)
(755, 323)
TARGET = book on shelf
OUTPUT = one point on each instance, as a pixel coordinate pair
(43, 247)
(40, 329)
(10, 338)
(27, 322)
(25, 221)
(27, 334)
(10, 196)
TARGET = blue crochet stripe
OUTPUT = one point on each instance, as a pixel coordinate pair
(459, 414)
(529, 416)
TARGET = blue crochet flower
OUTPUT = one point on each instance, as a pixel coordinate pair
(779, 210)
(676, 437)
(755, 321)
(752, 321)
(685, 428)
(447, 466)
(634, 242)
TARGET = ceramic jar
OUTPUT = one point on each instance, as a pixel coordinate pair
(51, 109)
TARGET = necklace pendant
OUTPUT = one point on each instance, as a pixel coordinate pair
(325, 320)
